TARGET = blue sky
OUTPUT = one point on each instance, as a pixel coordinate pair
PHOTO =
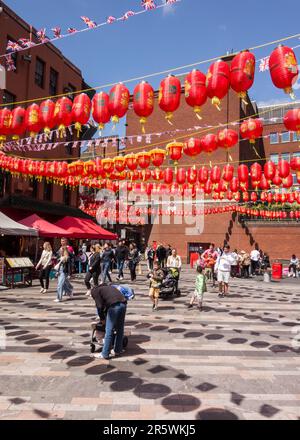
(190, 31)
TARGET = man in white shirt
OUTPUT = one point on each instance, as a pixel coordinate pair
(255, 255)
(223, 268)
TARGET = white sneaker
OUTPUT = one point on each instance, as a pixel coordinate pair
(42, 290)
(57, 301)
(88, 293)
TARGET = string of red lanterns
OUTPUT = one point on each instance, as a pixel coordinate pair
(239, 75)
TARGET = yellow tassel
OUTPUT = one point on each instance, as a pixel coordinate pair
(230, 157)
(78, 128)
(216, 102)
(169, 116)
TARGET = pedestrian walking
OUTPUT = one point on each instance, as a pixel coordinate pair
(156, 277)
(45, 266)
(150, 256)
(245, 262)
(107, 258)
(64, 287)
(293, 267)
(121, 256)
(133, 260)
(161, 254)
(200, 289)
(255, 256)
(93, 269)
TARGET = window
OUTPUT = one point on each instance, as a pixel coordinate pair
(8, 98)
(286, 156)
(53, 82)
(47, 191)
(274, 158)
(296, 138)
(274, 138)
(39, 72)
(285, 137)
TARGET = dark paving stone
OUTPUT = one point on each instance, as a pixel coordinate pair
(206, 387)
(216, 414)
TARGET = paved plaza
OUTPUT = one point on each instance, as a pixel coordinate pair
(238, 359)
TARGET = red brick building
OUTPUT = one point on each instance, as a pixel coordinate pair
(226, 227)
(40, 72)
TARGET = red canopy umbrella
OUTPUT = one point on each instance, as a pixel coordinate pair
(44, 228)
(85, 228)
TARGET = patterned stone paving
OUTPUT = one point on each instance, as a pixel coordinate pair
(236, 360)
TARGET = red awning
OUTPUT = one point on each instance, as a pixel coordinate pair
(45, 229)
(85, 228)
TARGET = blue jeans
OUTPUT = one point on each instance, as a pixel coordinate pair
(105, 270)
(120, 267)
(115, 320)
(63, 285)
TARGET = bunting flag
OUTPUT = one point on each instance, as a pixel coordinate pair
(10, 64)
(264, 64)
(127, 15)
(57, 32)
(26, 43)
(72, 30)
(110, 19)
(90, 23)
(13, 46)
(148, 4)
(41, 34)
(170, 2)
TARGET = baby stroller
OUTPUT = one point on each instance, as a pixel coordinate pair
(169, 285)
(99, 327)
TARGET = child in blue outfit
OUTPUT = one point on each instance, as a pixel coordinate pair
(200, 289)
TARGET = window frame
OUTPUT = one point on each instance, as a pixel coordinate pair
(277, 137)
(37, 61)
(282, 137)
(52, 91)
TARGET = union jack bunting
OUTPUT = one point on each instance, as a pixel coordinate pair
(56, 32)
(110, 19)
(148, 4)
(72, 30)
(90, 23)
(41, 34)
(25, 42)
(264, 64)
(12, 46)
(127, 15)
(10, 64)
(170, 2)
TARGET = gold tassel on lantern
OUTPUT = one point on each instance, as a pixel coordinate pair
(216, 102)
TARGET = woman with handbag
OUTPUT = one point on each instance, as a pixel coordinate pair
(45, 265)
(64, 269)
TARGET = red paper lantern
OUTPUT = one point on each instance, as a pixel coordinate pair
(143, 102)
(270, 170)
(120, 163)
(144, 160)
(169, 96)
(254, 197)
(288, 182)
(277, 180)
(18, 125)
(246, 197)
(131, 162)
(256, 173)
(81, 111)
(32, 119)
(192, 147)
(291, 197)
(175, 151)
(208, 187)
(242, 73)
(47, 119)
(218, 82)
(195, 90)
(295, 163)
(228, 172)
(118, 102)
(5, 123)
(283, 169)
(227, 138)
(216, 174)
(192, 176)
(181, 176)
(264, 183)
(209, 143)
(251, 129)
(292, 120)
(284, 68)
(243, 173)
(157, 157)
(168, 176)
(107, 165)
(100, 109)
(234, 184)
(203, 175)
(63, 114)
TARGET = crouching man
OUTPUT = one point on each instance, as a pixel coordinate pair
(111, 306)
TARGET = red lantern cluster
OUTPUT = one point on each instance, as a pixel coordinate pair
(284, 68)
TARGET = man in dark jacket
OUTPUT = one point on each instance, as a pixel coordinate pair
(93, 269)
(111, 305)
(107, 258)
(161, 254)
(121, 256)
